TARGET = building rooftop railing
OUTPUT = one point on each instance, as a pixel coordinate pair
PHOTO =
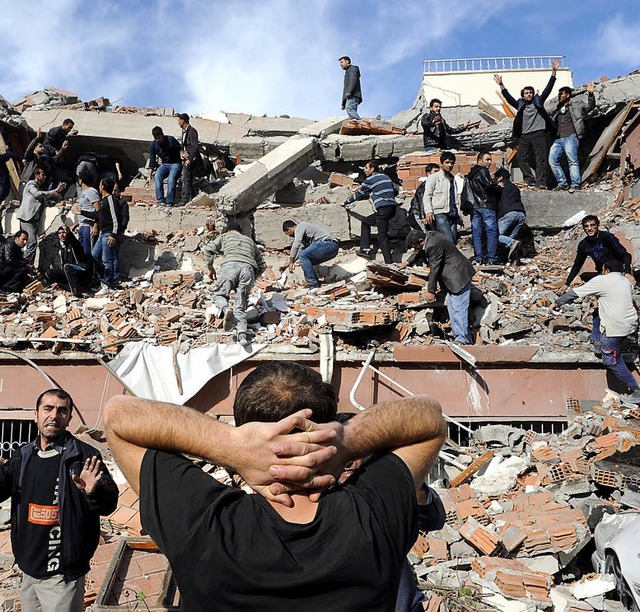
(493, 64)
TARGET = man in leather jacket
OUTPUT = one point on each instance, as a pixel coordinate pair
(436, 131)
(13, 267)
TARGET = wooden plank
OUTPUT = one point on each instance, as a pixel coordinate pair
(492, 111)
(462, 477)
(508, 109)
(11, 166)
(607, 138)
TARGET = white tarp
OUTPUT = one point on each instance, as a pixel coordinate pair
(149, 370)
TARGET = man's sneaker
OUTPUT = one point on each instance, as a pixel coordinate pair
(104, 290)
(227, 322)
(560, 188)
(243, 340)
(366, 253)
(514, 248)
(632, 398)
(596, 347)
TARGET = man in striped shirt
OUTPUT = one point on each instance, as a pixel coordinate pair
(382, 192)
(241, 263)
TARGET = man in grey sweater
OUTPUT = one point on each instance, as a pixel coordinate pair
(242, 262)
(312, 245)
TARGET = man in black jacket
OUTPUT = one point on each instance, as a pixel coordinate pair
(13, 266)
(531, 126)
(59, 489)
(450, 268)
(351, 91)
(480, 200)
(436, 131)
(70, 266)
(511, 214)
(190, 156)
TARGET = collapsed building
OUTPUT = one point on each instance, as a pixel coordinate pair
(367, 328)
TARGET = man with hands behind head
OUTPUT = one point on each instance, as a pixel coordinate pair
(296, 545)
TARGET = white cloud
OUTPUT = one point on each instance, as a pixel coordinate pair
(618, 42)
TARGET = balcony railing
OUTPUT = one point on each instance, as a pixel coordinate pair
(492, 64)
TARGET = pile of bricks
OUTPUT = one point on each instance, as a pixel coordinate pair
(412, 167)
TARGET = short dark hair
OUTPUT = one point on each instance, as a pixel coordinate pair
(345, 57)
(157, 131)
(566, 90)
(37, 170)
(613, 265)
(184, 117)
(502, 173)
(68, 121)
(374, 164)
(343, 417)
(108, 184)
(277, 389)
(429, 168)
(288, 224)
(527, 87)
(85, 176)
(435, 101)
(589, 218)
(234, 227)
(413, 237)
(447, 155)
(21, 233)
(482, 154)
(59, 393)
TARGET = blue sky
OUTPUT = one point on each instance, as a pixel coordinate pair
(280, 56)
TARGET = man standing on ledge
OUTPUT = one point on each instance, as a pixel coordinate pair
(287, 548)
(351, 92)
(190, 156)
(383, 192)
(59, 489)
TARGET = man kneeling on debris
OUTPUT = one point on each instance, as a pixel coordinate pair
(453, 270)
(289, 547)
(14, 271)
(317, 245)
(70, 266)
(242, 262)
(615, 319)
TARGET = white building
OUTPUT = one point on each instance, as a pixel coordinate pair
(462, 82)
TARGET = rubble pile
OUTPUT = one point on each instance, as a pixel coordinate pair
(517, 532)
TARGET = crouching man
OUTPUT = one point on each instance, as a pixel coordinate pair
(70, 266)
(290, 547)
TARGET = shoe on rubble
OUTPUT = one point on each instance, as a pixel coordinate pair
(366, 253)
(104, 290)
(632, 398)
(596, 347)
(514, 248)
(243, 340)
(227, 322)
(560, 188)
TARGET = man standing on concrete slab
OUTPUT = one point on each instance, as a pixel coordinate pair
(600, 246)
(441, 200)
(242, 262)
(382, 192)
(190, 156)
(436, 131)
(33, 202)
(615, 319)
(569, 117)
(312, 245)
(14, 272)
(511, 215)
(531, 126)
(480, 199)
(167, 150)
(89, 201)
(59, 489)
(453, 270)
(416, 208)
(55, 144)
(351, 92)
(287, 547)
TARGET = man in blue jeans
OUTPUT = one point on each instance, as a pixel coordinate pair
(312, 245)
(167, 150)
(480, 200)
(569, 118)
(617, 318)
(511, 214)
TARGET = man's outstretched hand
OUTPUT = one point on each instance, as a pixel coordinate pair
(89, 476)
(291, 455)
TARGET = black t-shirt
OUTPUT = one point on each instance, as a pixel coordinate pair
(603, 247)
(38, 548)
(231, 551)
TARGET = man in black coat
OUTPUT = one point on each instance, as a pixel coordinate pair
(531, 126)
(190, 156)
(70, 266)
(450, 268)
(351, 91)
(14, 273)
(436, 131)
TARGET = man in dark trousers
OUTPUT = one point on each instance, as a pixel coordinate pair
(600, 246)
(14, 272)
(341, 549)
(480, 200)
(382, 192)
(531, 126)
(436, 131)
(55, 144)
(453, 270)
(511, 214)
(351, 91)
(190, 156)
(70, 266)
(166, 149)
(59, 489)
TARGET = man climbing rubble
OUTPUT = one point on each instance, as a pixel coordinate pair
(242, 262)
(312, 245)
(341, 549)
(614, 320)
